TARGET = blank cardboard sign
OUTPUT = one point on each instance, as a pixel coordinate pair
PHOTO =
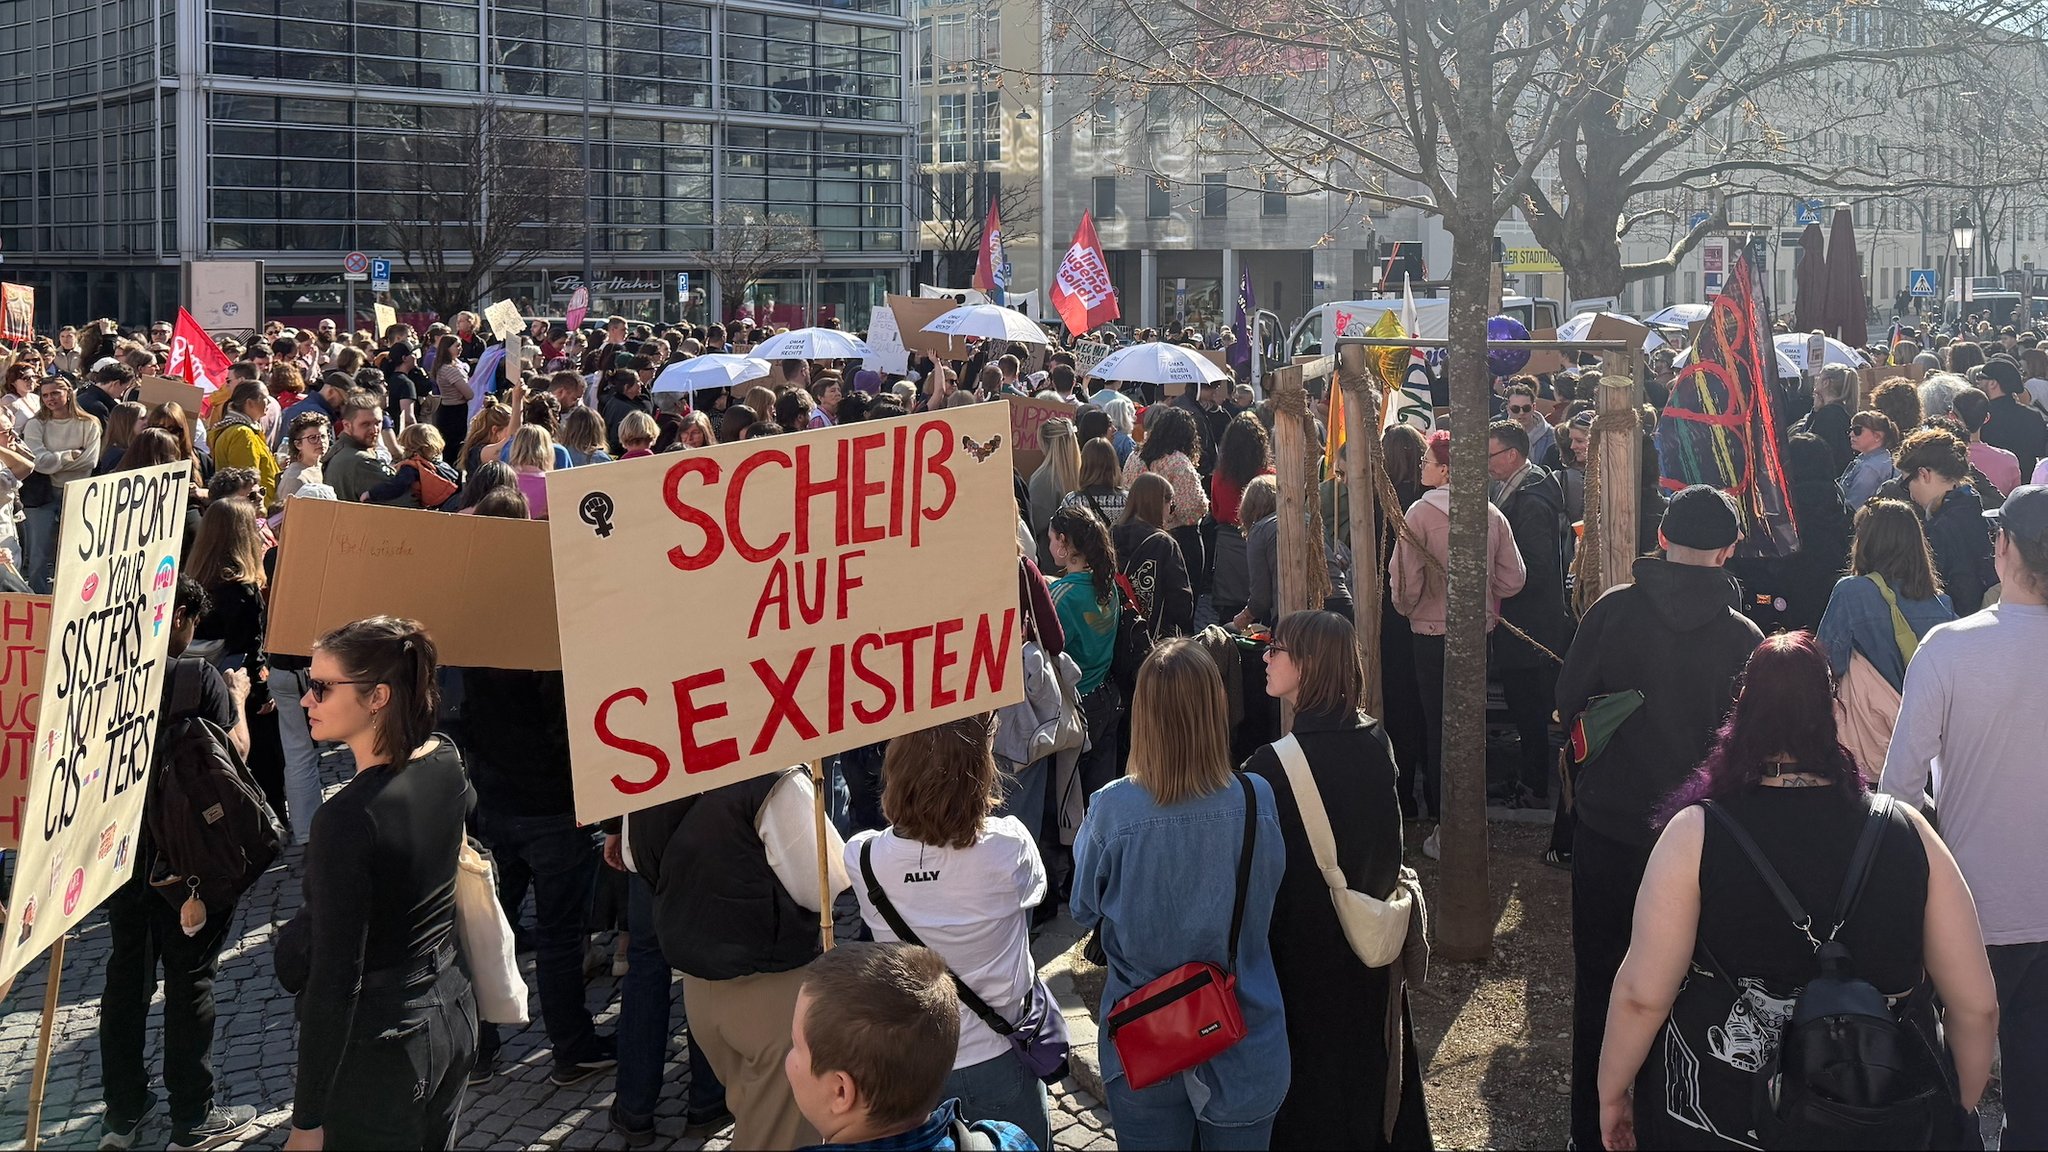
(483, 586)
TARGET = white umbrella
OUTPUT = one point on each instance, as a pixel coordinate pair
(712, 370)
(1157, 363)
(1577, 327)
(1678, 316)
(989, 322)
(812, 344)
(1792, 346)
(1788, 369)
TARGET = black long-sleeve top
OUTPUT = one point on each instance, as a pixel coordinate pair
(380, 893)
(517, 732)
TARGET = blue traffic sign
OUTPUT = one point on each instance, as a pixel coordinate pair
(380, 275)
(683, 286)
(1809, 212)
(1921, 284)
(1697, 219)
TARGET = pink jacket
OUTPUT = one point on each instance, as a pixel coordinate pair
(1419, 588)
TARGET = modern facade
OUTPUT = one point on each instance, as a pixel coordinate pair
(137, 135)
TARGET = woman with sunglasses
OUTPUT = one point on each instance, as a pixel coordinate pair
(1338, 1010)
(65, 440)
(387, 1020)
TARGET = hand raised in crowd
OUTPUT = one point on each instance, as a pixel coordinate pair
(238, 683)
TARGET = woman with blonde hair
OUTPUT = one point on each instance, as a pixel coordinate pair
(1180, 862)
(582, 433)
(964, 882)
(531, 453)
(65, 440)
(1057, 476)
(761, 399)
(488, 431)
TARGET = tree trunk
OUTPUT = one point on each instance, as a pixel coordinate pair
(1465, 924)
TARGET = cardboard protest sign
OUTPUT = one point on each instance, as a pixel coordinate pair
(25, 632)
(155, 390)
(1087, 354)
(96, 722)
(860, 581)
(886, 352)
(1546, 361)
(1619, 328)
(17, 311)
(483, 586)
(1025, 417)
(912, 314)
(503, 317)
(385, 317)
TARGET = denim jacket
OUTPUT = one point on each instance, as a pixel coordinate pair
(1160, 881)
(1858, 620)
(1864, 476)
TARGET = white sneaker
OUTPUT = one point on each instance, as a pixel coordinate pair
(1433, 847)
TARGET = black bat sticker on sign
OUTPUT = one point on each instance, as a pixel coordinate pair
(596, 511)
(981, 452)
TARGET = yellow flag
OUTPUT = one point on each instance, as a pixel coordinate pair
(1390, 364)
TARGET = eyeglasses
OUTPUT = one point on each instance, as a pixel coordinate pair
(1273, 650)
(320, 688)
(1498, 452)
(1519, 409)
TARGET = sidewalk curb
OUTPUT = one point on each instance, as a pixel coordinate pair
(1084, 1068)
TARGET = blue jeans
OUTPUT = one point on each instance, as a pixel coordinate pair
(301, 754)
(560, 861)
(1002, 1089)
(646, 1008)
(39, 546)
(1162, 1117)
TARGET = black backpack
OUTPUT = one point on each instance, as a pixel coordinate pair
(1848, 1072)
(212, 829)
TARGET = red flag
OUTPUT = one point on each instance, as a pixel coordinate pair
(1082, 292)
(992, 268)
(195, 358)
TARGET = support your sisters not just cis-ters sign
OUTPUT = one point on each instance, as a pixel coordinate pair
(736, 610)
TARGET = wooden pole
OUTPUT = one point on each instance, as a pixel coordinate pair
(824, 865)
(40, 1079)
(1361, 483)
(1620, 481)
(1290, 447)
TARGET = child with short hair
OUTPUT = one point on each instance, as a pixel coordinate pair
(872, 1042)
(421, 480)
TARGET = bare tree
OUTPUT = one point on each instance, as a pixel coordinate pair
(491, 200)
(959, 214)
(748, 243)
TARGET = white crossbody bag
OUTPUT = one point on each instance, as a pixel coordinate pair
(1375, 928)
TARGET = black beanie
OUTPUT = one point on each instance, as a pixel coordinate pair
(1703, 517)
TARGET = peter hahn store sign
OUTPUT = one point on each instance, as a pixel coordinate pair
(617, 284)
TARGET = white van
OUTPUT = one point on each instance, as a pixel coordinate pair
(1432, 315)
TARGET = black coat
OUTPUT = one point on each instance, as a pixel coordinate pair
(2019, 430)
(1534, 507)
(1830, 422)
(1336, 1007)
(1152, 559)
(1675, 636)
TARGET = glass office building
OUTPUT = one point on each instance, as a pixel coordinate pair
(136, 135)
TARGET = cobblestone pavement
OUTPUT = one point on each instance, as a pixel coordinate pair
(255, 1054)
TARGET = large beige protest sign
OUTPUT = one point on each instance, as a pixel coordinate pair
(24, 635)
(504, 319)
(482, 585)
(155, 390)
(912, 314)
(736, 610)
(1025, 417)
(385, 317)
(96, 724)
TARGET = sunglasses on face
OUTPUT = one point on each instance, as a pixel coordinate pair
(1519, 409)
(320, 688)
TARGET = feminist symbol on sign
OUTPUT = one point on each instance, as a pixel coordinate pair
(596, 511)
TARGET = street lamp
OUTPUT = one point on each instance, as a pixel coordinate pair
(1964, 235)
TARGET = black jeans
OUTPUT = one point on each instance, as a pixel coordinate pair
(559, 861)
(1429, 681)
(1103, 711)
(1605, 876)
(1531, 696)
(2021, 971)
(145, 935)
(409, 1053)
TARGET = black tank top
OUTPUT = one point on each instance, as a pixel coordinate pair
(1808, 834)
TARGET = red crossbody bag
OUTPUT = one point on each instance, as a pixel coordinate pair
(1190, 1015)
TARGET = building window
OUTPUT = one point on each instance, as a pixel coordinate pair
(1215, 195)
(1158, 198)
(988, 123)
(1273, 196)
(952, 109)
(1105, 197)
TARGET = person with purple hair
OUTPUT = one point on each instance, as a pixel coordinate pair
(1687, 1039)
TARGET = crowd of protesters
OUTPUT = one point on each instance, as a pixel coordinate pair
(1174, 825)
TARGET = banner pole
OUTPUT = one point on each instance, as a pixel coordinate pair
(824, 865)
(41, 1077)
